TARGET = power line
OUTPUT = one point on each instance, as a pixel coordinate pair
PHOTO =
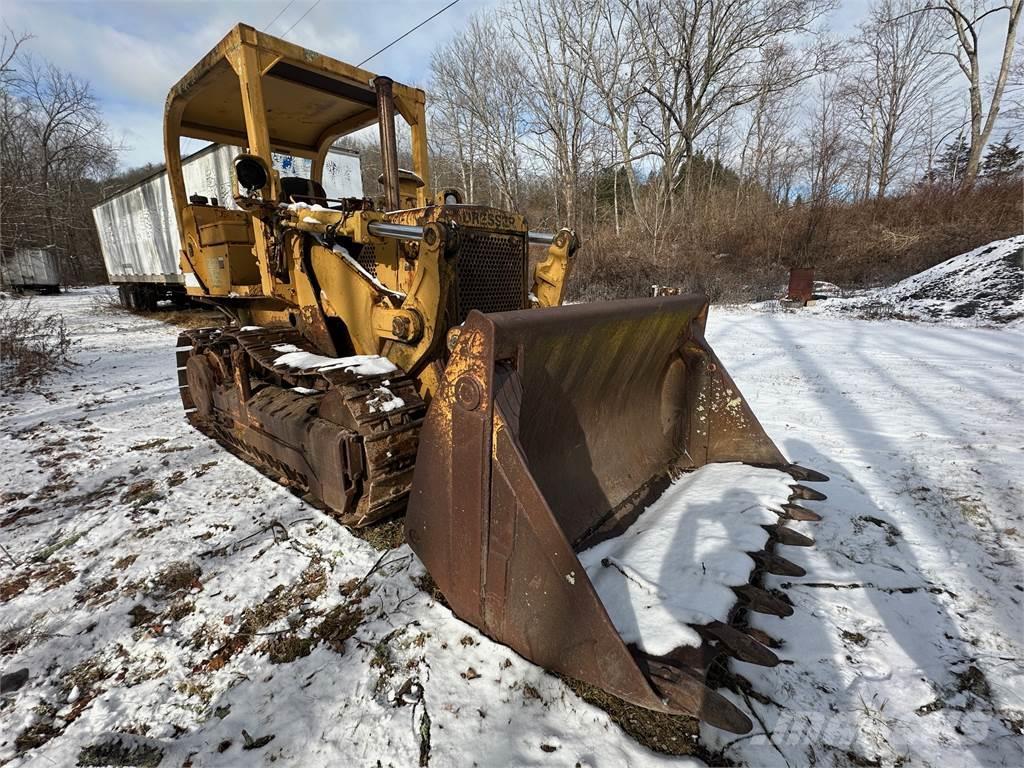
(429, 18)
(279, 15)
(314, 5)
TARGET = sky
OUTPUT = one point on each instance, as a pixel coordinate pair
(132, 51)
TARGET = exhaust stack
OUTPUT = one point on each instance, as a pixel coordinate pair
(388, 141)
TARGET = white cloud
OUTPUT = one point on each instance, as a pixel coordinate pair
(132, 52)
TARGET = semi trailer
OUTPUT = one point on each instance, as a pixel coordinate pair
(30, 269)
(137, 229)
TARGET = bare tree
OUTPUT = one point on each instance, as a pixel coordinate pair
(893, 77)
(10, 158)
(703, 64)
(828, 160)
(768, 157)
(607, 55)
(54, 146)
(10, 43)
(453, 123)
(828, 144)
(965, 23)
(548, 33)
(64, 120)
(1015, 87)
(487, 81)
(718, 116)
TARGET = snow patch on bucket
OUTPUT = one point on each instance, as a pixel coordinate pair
(675, 565)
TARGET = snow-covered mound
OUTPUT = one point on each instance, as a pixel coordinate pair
(983, 286)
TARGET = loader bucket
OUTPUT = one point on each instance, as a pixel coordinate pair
(551, 431)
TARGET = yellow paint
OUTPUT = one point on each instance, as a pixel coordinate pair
(253, 90)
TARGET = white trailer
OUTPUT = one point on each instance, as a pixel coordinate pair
(30, 269)
(138, 233)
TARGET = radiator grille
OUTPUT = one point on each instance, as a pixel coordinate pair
(491, 273)
(367, 258)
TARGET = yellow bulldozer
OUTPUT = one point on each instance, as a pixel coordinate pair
(558, 466)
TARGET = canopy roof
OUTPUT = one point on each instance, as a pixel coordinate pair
(308, 98)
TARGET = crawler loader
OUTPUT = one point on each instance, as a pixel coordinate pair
(396, 356)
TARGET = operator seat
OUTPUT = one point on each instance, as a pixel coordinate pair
(302, 190)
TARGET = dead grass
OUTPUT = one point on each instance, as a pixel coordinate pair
(201, 690)
(33, 345)
(19, 513)
(37, 735)
(383, 535)
(98, 593)
(115, 752)
(427, 584)
(50, 577)
(125, 562)
(384, 661)
(176, 577)
(668, 734)
(86, 675)
(56, 575)
(973, 680)
(281, 601)
(287, 647)
(141, 616)
(189, 318)
(196, 317)
(179, 609)
(155, 443)
(141, 493)
(13, 586)
(338, 625)
(743, 252)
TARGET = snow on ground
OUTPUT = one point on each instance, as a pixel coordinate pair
(908, 635)
(981, 287)
(166, 592)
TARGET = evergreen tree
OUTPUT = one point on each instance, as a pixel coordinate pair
(951, 164)
(1003, 161)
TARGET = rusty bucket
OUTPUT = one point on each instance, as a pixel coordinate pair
(552, 430)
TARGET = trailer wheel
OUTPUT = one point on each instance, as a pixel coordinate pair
(151, 297)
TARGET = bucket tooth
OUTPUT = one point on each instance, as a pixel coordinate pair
(804, 475)
(788, 536)
(738, 644)
(759, 601)
(762, 637)
(687, 693)
(805, 493)
(776, 565)
(796, 512)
